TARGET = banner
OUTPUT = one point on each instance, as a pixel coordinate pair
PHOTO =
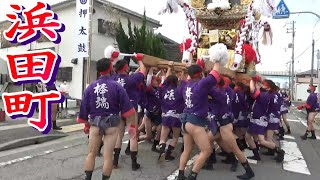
(82, 28)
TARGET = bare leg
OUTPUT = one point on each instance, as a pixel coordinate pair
(148, 128)
(176, 134)
(250, 141)
(310, 128)
(110, 139)
(269, 135)
(284, 117)
(163, 139)
(188, 146)
(133, 121)
(212, 159)
(95, 140)
(159, 127)
(311, 118)
(118, 145)
(54, 112)
(164, 134)
(120, 134)
(228, 138)
(200, 137)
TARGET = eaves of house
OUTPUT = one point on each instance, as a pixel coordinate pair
(68, 3)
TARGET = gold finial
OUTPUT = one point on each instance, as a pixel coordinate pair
(197, 4)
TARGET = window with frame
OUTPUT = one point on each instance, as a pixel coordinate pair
(64, 74)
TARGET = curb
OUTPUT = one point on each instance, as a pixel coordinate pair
(30, 141)
(24, 124)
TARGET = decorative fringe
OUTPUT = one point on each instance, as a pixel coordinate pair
(267, 38)
(250, 54)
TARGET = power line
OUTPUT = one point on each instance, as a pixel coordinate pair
(285, 24)
(305, 50)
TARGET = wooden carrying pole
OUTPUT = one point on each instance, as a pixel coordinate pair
(151, 61)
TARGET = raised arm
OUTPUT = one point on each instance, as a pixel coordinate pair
(142, 67)
(149, 77)
(254, 89)
(138, 69)
(169, 69)
(252, 86)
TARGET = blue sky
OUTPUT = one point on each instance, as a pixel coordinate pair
(273, 57)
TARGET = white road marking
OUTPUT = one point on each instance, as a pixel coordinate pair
(2, 164)
(127, 141)
(293, 120)
(249, 153)
(288, 137)
(293, 159)
(306, 125)
(15, 161)
(176, 173)
(48, 152)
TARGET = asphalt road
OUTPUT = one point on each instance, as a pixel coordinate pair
(63, 159)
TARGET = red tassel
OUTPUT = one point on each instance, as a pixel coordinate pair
(249, 53)
(200, 62)
(186, 44)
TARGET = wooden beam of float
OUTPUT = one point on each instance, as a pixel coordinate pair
(151, 61)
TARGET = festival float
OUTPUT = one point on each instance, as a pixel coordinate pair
(238, 24)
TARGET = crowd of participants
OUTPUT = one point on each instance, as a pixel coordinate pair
(206, 109)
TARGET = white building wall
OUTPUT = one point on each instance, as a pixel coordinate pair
(101, 41)
(67, 47)
(301, 91)
(3, 66)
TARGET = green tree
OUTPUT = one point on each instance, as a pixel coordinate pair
(140, 40)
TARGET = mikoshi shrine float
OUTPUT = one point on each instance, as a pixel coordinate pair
(238, 24)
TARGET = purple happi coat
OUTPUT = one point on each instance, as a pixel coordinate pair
(153, 103)
(259, 120)
(274, 111)
(104, 97)
(132, 84)
(312, 102)
(171, 97)
(195, 95)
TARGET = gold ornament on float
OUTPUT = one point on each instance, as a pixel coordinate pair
(198, 4)
(246, 2)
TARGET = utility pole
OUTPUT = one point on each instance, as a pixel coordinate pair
(289, 75)
(88, 64)
(292, 30)
(318, 58)
(312, 62)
